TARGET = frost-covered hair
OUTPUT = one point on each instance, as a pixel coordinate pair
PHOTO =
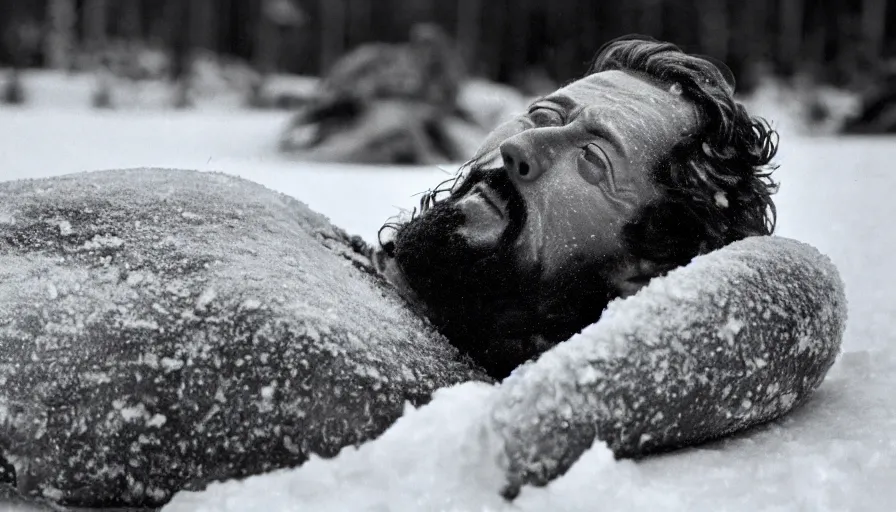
(717, 184)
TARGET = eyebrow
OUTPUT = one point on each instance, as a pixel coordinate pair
(594, 127)
(564, 101)
(603, 131)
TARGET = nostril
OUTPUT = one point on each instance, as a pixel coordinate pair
(524, 168)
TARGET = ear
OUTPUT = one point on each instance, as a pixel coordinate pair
(634, 274)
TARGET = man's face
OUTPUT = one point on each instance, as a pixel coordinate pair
(581, 161)
(527, 242)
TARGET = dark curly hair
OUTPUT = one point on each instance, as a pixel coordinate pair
(717, 184)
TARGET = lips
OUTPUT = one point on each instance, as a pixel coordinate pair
(491, 198)
(485, 217)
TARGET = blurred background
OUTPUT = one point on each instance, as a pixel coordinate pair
(519, 42)
(357, 106)
(422, 81)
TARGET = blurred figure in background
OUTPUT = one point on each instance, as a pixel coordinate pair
(389, 103)
(22, 38)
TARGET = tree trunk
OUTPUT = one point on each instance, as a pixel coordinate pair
(95, 23)
(493, 46)
(132, 20)
(649, 17)
(873, 25)
(713, 28)
(264, 57)
(747, 47)
(181, 49)
(469, 13)
(332, 32)
(202, 21)
(360, 20)
(758, 47)
(515, 61)
(13, 91)
(790, 34)
(60, 40)
(95, 27)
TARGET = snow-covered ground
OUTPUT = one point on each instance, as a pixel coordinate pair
(836, 453)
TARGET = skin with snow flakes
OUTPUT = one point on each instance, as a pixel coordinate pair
(160, 330)
(737, 338)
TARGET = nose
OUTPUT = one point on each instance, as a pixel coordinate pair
(519, 160)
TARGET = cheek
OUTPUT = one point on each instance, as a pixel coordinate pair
(570, 228)
(580, 237)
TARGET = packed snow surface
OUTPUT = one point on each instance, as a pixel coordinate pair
(838, 452)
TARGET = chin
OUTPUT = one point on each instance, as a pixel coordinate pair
(487, 305)
(484, 288)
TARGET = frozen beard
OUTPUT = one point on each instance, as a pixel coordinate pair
(460, 262)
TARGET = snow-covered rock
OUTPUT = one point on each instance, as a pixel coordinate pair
(162, 329)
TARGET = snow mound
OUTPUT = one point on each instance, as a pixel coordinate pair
(438, 457)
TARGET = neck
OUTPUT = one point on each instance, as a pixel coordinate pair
(500, 331)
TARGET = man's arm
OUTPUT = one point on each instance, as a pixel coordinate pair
(737, 338)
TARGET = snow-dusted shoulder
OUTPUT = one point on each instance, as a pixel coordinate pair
(162, 329)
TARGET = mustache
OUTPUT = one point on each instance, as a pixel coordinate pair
(494, 178)
(487, 168)
(487, 171)
(498, 180)
(482, 168)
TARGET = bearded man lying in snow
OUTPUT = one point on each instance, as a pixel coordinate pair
(160, 330)
(604, 184)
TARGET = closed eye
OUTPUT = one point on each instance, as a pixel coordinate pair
(595, 167)
(543, 117)
(594, 154)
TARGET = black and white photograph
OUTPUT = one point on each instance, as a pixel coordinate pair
(447, 255)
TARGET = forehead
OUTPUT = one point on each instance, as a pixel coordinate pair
(636, 107)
